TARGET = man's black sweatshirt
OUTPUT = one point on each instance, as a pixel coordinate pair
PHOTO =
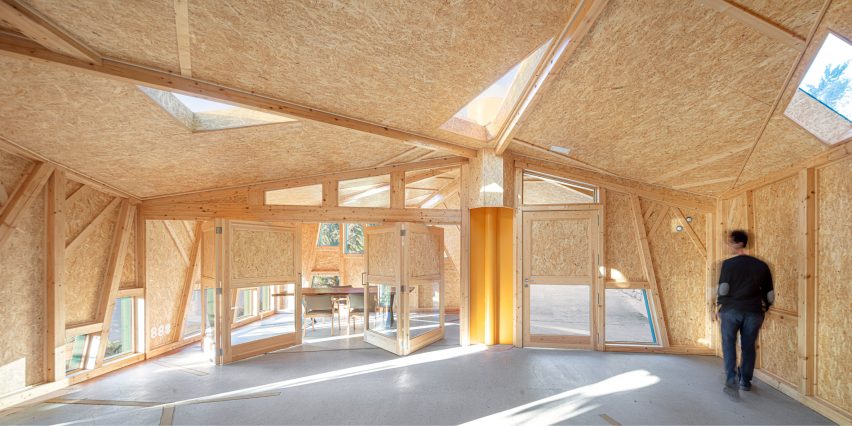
(745, 284)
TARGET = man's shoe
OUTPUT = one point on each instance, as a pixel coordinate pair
(731, 390)
(745, 386)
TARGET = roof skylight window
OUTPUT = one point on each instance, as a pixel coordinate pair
(823, 102)
(484, 116)
(199, 114)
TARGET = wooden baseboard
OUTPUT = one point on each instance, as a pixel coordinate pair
(826, 409)
(673, 350)
(171, 346)
(106, 368)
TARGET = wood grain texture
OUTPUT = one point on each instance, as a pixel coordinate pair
(424, 250)
(680, 276)
(623, 258)
(21, 297)
(84, 271)
(776, 214)
(561, 248)
(13, 169)
(383, 259)
(834, 271)
(778, 342)
(165, 275)
(262, 254)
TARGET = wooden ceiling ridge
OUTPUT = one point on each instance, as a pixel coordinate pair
(44, 49)
(565, 43)
(783, 89)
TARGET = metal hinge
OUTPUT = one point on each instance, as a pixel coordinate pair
(218, 229)
(402, 232)
(219, 351)
(219, 291)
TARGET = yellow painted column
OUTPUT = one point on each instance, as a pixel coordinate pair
(491, 275)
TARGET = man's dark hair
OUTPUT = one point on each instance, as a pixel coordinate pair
(740, 236)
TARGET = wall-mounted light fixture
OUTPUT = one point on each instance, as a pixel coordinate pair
(560, 149)
(679, 228)
(689, 219)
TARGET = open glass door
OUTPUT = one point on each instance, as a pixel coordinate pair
(209, 300)
(560, 268)
(260, 270)
(405, 286)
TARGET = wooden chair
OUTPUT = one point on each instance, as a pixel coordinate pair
(319, 306)
(355, 304)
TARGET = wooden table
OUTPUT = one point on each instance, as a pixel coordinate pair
(343, 291)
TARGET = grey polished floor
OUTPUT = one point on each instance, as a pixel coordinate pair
(320, 383)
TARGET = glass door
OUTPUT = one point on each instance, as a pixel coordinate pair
(560, 267)
(404, 285)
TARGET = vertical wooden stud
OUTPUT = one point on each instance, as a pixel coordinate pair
(397, 190)
(55, 303)
(806, 286)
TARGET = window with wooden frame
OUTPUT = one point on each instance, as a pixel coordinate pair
(328, 235)
(822, 103)
(120, 339)
(325, 280)
(543, 189)
(192, 318)
(628, 316)
(76, 352)
(354, 237)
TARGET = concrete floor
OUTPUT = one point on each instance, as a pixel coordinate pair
(342, 380)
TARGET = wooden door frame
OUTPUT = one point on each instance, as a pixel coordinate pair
(596, 287)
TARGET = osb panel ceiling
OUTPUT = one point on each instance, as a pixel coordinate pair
(659, 85)
(411, 65)
(141, 31)
(112, 132)
(784, 142)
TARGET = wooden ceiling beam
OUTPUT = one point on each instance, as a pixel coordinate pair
(578, 25)
(701, 163)
(34, 25)
(135, 74)
(704, 182)
(757, 23)
(182, 31)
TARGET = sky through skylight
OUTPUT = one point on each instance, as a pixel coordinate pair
(829, 79)
(201, 105)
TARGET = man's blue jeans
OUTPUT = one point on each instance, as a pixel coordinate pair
(748, 325)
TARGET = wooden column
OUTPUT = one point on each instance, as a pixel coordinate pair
(464, 266)
(806, 287)
(55, 262)
(397, 190)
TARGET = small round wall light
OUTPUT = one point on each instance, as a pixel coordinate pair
(689, 219)
(679, 228)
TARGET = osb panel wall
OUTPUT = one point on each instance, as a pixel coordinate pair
(680, 273)
(834, 273)
(383, 258)
(776, 217)
(262, 254)
(778, 343)
(83, 210)
(165, 274)
(327, 260)
(128, 274)
(85, 268)
(424, 254)
(622, 248)
(452, 285)
(353, 268)
(560, 247)
(22, 294)
(13, 169)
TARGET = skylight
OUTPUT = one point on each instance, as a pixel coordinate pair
(199, 114)
(484, 116)
(823, 102)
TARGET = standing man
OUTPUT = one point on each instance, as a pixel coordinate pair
(745, 293)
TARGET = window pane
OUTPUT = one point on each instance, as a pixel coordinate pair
(268, 325)
(325, 281)
(245, 306)
(328, 235)
(300, 196)
(383, 311)
(120, 340)
(373, 191)
(265, 299)
(75, 351)
(542, 189)
(561, 310)
(192, 322)
(628, 316)
(354, 238)
(425, 312)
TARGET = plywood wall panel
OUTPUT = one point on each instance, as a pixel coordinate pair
(22, 292)
(778, 342)
(13, 169)
(384, 255)
(85, 208)
(679, 270)
(166, 270)
(776, 224)
(623, 256)
(560, 247)
(85, 268)
(424, 251)
(327, 260)
(834, 274)
(353, 268)
(128, 274)
(262, 253)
